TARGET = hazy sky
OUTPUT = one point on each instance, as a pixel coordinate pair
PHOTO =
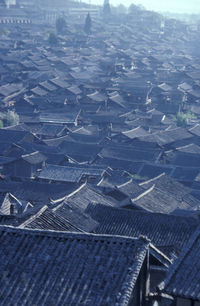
(182, 6)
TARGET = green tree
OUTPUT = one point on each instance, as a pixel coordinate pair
(181, 118)
(88, 24)
(52, 39)
(11, 118)
(60, 25)
(137, 177)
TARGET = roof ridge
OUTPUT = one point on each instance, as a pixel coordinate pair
(124, 184)
(28, 154)
(144, 193)
(32, 218)
(152, 246)
(69, 195)
(135, 270)
(133, 129)
(75, 235)
(152, 180)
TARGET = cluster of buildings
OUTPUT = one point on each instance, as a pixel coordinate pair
(100, 175)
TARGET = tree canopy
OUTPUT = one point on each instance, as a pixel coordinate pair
(181, 118)
(9, 118)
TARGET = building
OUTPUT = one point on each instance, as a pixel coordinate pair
(59, 268)
(183, 279)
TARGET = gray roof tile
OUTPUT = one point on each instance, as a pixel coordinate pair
(183, 279)
(163, 230)
(54, 268)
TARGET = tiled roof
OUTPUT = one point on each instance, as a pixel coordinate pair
(39, 91)
(34, 158)
(190, 149)
(188, 160)
(48, 86)
(97, 97)
(115, 180)
(169, 136)
(136, 132)
(163, 230)
(60, 174)
(185, 87)
(86, 195)
(50, 130)
(130, 188)
(36, 192)
(75, 90)
(12, 205)
(164, 194)
(83, 149)
(58, 118)
(60, 82)
(159, 201)
(183, 279)
(187, 174)
(60, 218)
(54, 268)
(10, 136)
(115, 163)
(9, 89)
(129, 153)
(46, 219)
(195, 130)
(76, 217)
(84, 138)
(151, 170)
(165, 87)
(167, 184)
(70, 173)
(115, 97)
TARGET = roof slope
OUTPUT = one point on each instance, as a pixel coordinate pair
(46, 219)
(61, 218)
(165, 195)
(183, 279)
(131, 189)
(60, 173)
(86, 195)
(156, 200)
(163, 230)
(37, 192)
(34, 158)
(10, 136)
(167, 184)
(54, 268)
